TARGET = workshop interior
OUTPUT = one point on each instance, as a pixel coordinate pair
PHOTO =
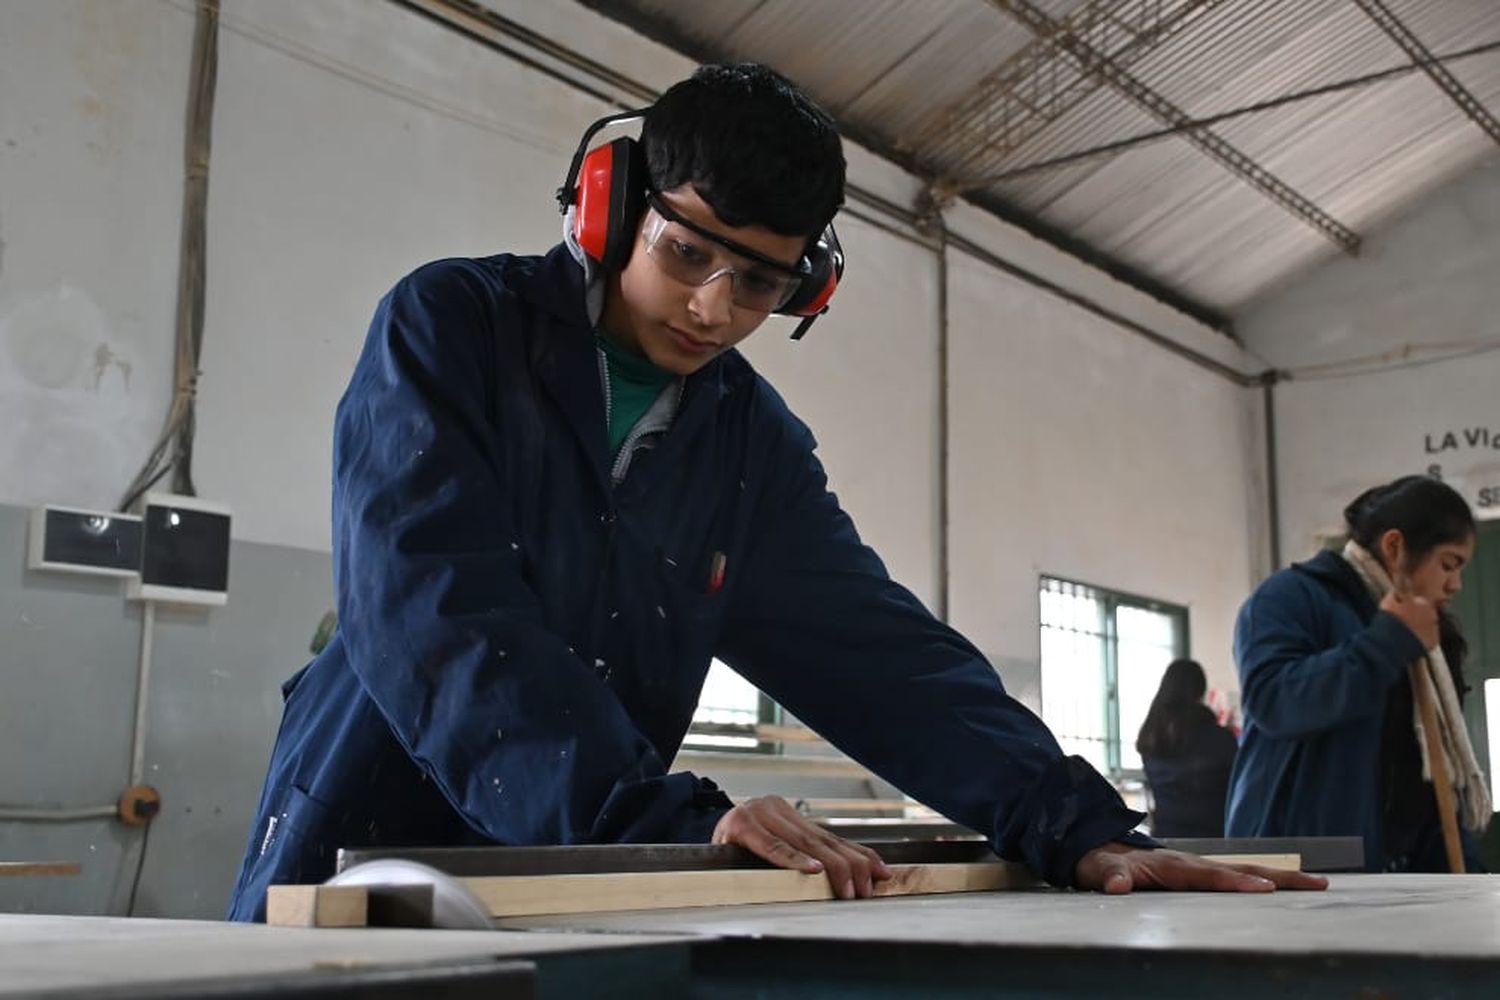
(447, 550)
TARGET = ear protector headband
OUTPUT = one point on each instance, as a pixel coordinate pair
(606, 188)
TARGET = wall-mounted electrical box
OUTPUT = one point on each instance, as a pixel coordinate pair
(184, 551)
(97, 542)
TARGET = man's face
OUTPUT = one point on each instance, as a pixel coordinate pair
(681, 326)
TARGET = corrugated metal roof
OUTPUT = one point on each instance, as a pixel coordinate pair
(917, 78)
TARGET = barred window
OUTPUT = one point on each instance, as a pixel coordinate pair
(731, 714)
(1103, 656)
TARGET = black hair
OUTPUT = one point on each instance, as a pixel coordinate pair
(1427, 512)
(1179, 699)
(752, 145)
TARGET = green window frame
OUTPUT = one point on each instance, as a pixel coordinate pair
(1103, 652)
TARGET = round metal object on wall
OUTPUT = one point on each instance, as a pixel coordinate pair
(138, 805)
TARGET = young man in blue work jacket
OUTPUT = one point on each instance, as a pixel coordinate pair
(559, 492)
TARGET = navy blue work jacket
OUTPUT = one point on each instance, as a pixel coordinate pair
(521, 644)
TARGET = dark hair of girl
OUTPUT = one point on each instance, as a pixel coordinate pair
(1178, 701)
(1426, 511)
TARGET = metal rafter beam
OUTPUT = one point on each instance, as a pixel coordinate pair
(1091, 61)
(1172, 131)
(1402, 36)
(1033, 88)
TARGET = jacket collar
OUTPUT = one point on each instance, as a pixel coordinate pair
(1330, 568)
(563, 356)
(555, 284)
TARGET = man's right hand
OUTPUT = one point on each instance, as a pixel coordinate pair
(1416, 613)
(770, 828)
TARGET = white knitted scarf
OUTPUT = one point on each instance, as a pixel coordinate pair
(1469, 784)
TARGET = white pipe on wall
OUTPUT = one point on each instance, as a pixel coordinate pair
(142, 681)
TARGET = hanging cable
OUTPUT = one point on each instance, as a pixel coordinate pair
(173, 450)
(140, 866)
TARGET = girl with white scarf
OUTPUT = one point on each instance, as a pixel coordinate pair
(1340, 659)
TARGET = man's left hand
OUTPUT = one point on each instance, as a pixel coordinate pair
(1119, 868)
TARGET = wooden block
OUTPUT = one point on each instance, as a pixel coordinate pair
(1284, 862)
(40, 868)
(530, 895)
(317, 905)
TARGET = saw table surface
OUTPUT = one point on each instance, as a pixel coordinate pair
(58, 956)
(1367, 936)
(1429, 915)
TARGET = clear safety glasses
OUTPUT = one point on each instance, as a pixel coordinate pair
(688, 253)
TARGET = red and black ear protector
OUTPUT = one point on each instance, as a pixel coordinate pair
(607, 187)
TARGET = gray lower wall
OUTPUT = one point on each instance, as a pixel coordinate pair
(69, 649)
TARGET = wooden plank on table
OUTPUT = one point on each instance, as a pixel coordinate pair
(40, 867)
(1319, 854)
(1283, 862)
(317, 905)
(604, 892)
(529, 895)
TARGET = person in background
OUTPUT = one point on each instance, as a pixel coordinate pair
(1187, 756)
(1324, 651)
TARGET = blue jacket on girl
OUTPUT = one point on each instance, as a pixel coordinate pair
(1319, 665)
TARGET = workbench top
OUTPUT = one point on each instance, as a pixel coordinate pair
(1368, 935)
(83, 955)
(1397, 935)
(1428, 915)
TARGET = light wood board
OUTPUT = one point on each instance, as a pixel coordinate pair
(40, 868)
(317, 906)
(1284, 862)
(543, 895)
(524, 895)
(534, 895)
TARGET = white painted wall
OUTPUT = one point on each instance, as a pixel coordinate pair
(1425, 287)
(92, 108)
(1080, 451)
(354, 140)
